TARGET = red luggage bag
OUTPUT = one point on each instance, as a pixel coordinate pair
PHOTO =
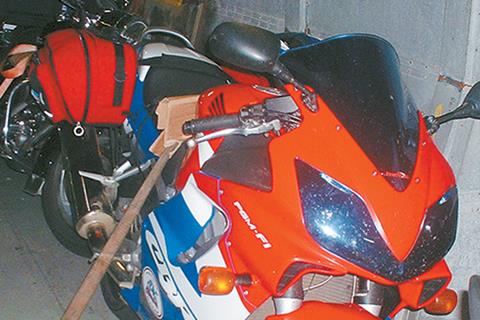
(85, 79)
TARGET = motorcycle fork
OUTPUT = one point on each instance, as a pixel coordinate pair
(82, 153)
(291, 301)
(377, 299)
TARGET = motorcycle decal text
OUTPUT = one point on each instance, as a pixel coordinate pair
(265, 243)
(192, 304)
(166, 278)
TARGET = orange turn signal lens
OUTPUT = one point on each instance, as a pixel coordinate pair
(443, 304)
(216, 280)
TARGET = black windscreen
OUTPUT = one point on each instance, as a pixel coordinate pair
(358, 77)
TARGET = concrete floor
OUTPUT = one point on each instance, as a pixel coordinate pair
(38, 277)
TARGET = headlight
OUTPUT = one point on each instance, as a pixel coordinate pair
(338, 219)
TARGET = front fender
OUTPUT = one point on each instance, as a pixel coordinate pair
(321, 310)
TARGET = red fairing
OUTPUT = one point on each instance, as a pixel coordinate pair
(280, 239)
(320, 310)
(84, 86)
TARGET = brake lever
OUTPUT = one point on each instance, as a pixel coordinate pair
(262, 128)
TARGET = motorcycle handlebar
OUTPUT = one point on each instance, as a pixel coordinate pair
(195, 126)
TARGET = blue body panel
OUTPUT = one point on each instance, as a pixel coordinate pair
(179, 226)
(143, 126)
(181, 231)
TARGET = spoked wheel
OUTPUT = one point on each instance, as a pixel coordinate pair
(58, 213)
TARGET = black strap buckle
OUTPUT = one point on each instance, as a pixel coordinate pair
(120, 77)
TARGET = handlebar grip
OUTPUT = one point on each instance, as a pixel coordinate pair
(211, 123)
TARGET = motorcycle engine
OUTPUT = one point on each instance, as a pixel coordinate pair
(23, 126)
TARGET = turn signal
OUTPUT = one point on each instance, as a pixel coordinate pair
(218, 280)
(443, 304)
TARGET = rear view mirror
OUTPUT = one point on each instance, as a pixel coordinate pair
(244, 46)
(470, 108)
(473, 100)
(255, 49)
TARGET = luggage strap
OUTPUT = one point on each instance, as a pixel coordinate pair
(119, 75)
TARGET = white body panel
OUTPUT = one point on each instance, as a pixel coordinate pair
(182, 294)
(157, 49)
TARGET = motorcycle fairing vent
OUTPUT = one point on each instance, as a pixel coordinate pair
(84, 78)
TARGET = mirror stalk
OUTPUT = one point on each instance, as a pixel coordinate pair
(470, 108)
(282, 73)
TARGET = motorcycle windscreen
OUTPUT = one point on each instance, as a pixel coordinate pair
(358, 77)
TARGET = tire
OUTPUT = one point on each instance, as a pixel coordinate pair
(114, 300)
(58, 214)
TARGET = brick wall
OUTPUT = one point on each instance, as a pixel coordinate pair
(263, 13)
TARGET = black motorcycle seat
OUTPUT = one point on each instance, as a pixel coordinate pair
(170, 76)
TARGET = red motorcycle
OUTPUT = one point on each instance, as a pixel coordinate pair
(332, 173)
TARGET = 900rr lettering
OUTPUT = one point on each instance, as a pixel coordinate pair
(265, 243)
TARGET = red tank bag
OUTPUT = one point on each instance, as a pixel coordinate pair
(86, 79)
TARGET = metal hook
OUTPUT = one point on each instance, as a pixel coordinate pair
(78, 130)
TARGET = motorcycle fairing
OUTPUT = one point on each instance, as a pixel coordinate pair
(179, 282)
(412, 292)
(280, 209)
(167, 74)
(188, 211)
